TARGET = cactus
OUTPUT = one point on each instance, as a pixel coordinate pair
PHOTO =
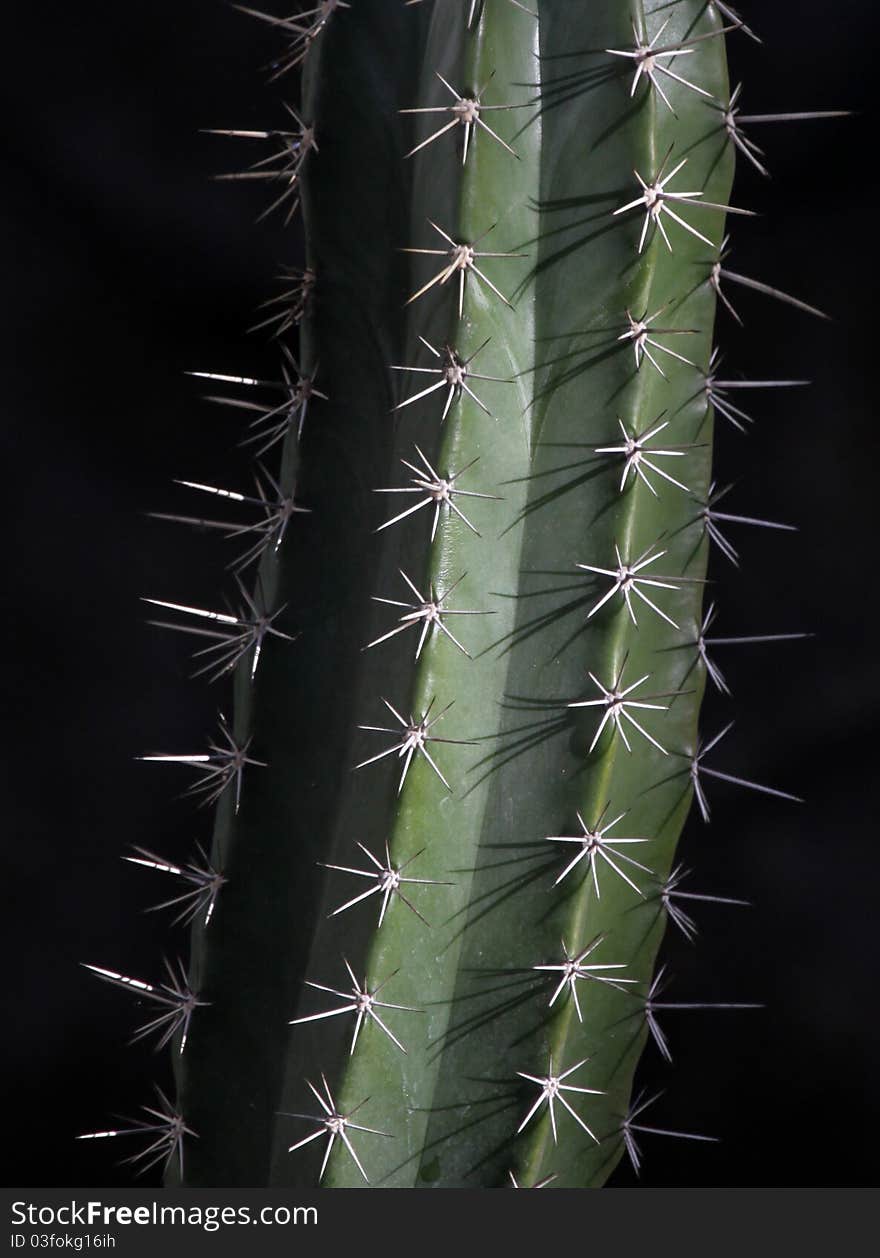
(470, 643)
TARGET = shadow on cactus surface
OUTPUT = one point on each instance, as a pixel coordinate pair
(470, 618)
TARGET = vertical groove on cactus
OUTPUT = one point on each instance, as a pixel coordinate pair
(299, 710)
(468, 669)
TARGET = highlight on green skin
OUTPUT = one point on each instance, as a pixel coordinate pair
(449, 800)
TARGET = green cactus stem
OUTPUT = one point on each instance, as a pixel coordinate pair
(467, 682)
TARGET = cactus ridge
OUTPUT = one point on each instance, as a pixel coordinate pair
(444, 861)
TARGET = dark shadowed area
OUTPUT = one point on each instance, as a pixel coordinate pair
(124, 266)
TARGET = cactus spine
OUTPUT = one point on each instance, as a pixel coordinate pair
(523, 549)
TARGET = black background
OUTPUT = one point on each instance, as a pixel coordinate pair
(124, 265)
